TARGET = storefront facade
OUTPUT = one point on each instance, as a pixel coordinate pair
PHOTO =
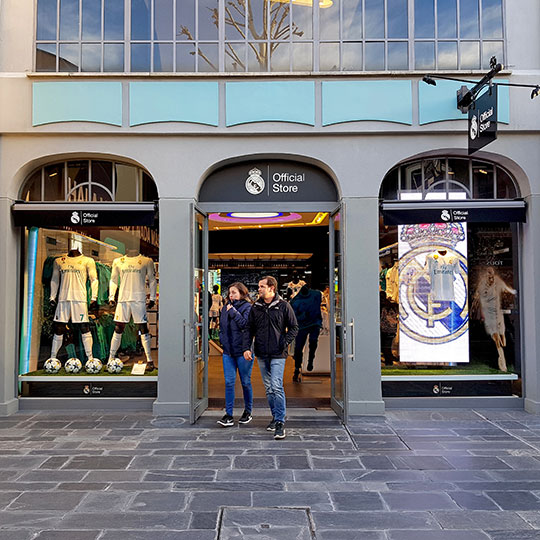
(179, 130)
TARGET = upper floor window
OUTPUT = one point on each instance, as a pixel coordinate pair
(89, 180)
(267, 35)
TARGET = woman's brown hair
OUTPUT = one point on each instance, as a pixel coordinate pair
(242, 289)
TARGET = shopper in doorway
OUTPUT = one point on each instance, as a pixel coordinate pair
(215, 306)
(272, 324)
(232, 327)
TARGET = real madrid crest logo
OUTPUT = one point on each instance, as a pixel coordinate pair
(255, 182)
(474, 127)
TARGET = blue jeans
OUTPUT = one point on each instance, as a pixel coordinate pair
(231, 364)
(272, 377)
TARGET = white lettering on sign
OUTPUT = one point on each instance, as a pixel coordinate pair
(288, 177)
(486, 114)
(280, 188)
(89, 218)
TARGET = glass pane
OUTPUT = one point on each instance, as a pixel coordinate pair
(374, 56)
(69, 20)
(69, 57)
(140, 19)
(374, 19)
(302, 22)
(469, 25)
(77, 181)
(470, 55)
(91, 57)
(114, 19)
(185, 57)
(492, 19)
(279, 20)
(329, 19)
(506, 188)
(46, 57)
(458, 172)
(257, 19)
(257, 57)
(32, 188)
(398, 19)
(91, 20)
(46, 19)
(447, 55)
(235, 56)
(235, 22)
(100, 195)
(163, 57)
(398, 55)
(127, 177)
(352, 57)
(163, 19)
(329, 56)
(149, 190)
(302, 57)
(492, 48)
(338, 387)
(279, 57)
(140, 57)
(424, 19)
(434, 172)
(482, 180)
(352, 19)
(208, 57)
(113, 57)
(102, 176)
(208, 19)
(424, 53)
(185, 19)
(447, 18)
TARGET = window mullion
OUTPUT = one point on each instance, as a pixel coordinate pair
(458, 21)
(152, 15)
(410, 11)
(221, 34)
(363, 32)
(316, 38)
(127, 35)
(174, 36)
(480, 33)
(102, 34)
(80, 35)
(385, 7)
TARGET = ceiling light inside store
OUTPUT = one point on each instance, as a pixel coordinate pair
(250, 215)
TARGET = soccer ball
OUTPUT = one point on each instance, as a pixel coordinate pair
(52, 365)
(73, 365)
(115, 365)
(93, 366)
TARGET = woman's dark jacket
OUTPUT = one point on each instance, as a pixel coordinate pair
(233, 326)
(273, 326)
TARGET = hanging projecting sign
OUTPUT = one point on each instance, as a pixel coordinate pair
(483, 120)
(268, 181)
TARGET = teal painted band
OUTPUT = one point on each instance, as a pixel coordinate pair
(194, 102)
(352, 101)
(439, 103)
(273, 101)
(77, 102)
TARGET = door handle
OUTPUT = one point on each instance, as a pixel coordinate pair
(351, 356)
(184, 340)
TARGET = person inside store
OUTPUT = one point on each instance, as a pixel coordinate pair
(216, 303)
(272, 326)
(232, 329)
(69, 297)
(389, 325)
(307, 308)
(294, 286)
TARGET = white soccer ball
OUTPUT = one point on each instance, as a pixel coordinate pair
(115, 365)
(52, 365)
(73, 365)
(93, 366)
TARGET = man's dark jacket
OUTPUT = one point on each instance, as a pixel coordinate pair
(233, 326)
(273, 326)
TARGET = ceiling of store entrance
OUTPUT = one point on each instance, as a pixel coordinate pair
(224, 221)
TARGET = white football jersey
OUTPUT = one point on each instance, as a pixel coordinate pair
(70, 275)
(132, 272)
(441, 269)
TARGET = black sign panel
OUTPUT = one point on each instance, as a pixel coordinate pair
(48, 215)
(269, 181)
(406, 216)
(483, 120)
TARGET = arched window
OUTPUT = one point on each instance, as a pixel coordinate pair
(448, 178)
(89, 180)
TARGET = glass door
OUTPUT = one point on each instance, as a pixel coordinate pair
(337, 325)
(199, 316)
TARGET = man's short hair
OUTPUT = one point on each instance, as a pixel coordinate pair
(271, 282)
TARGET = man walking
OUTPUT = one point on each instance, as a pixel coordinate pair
(273, 325)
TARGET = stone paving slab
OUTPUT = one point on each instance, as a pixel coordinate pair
(407, 475)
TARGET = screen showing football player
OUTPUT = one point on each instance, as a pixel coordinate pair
(68, 293)
(128, 276)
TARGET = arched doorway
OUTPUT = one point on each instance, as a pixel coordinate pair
(276, 217)
(449, 280)
(90, 239)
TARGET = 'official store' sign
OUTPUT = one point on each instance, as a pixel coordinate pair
(281, 182)
(483, 120)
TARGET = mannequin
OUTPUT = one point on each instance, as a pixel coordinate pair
(294, 286)
(442, 267)
(392, 282)
(68, 295)
(215, 309)
(131, 271)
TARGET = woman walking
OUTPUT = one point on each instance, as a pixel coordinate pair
(233, 325)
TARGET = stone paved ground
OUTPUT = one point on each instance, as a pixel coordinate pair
(410, 475)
